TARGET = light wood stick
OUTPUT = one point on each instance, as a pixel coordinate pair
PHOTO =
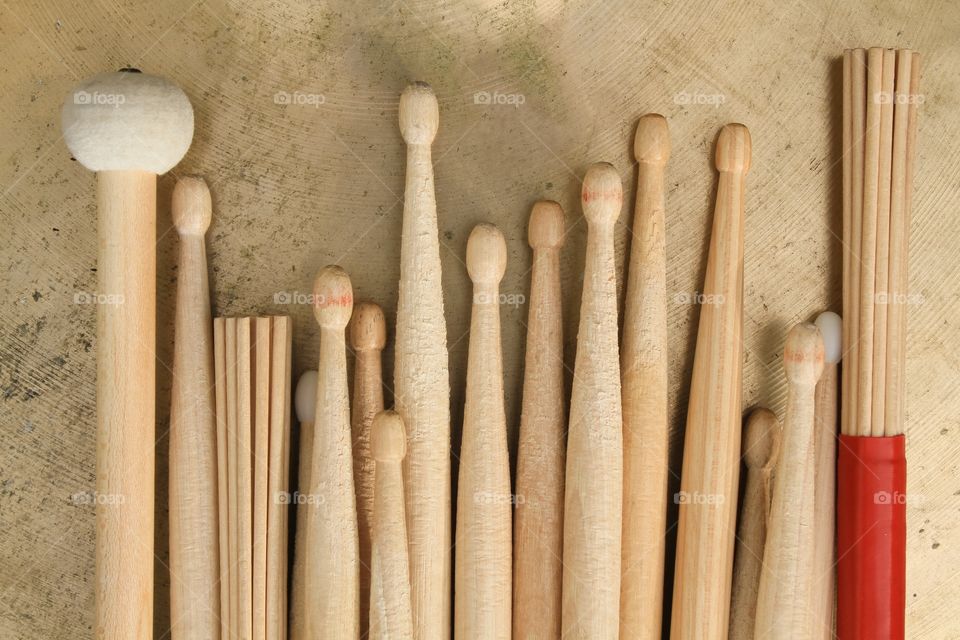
(223, 576)
(482, 590)
(127, 143)
(541, 458)
(391, 617)
(261, 457)
(306, 403)
(847, 244)
(421, 378)
(194, 554)
(761, 446)
(281, 345)
(331, 603)
(825, 477)
(368, 336)
(232, 497)
(785, 606)
(711, 456)
(858, 69)
(245, 424)
(644, 378)
(592, 520)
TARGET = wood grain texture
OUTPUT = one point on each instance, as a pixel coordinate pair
(711, 453)
(593, 502)
(278, 470)
(541, 454)
(643, 372)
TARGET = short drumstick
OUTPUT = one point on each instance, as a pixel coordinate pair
(195, 593)
(127, 127)
(390, 614)
(305, 403)
(785, 607)
(421, 377)
(482, 589)
(761, 445)
(593, 506)
(541, 458)
(330, 584)
(368, 335)
(711, 456)
(644, 378)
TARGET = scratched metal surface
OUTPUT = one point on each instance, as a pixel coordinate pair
(296, 109)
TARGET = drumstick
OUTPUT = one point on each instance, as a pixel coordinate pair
(825, 478)
(482, 590)
(538, 526)
(785, 607)
(305, 403)
(223, 515)
(592, 515)
(127, 127)
(246, 363)
(711, 456)
(195, 593)
(390, 614)
(847, 247)
(761, 445)
(421, 377)
(368, 335)
(644, 379)
(233, 503)
(330, 582)
(263, 331)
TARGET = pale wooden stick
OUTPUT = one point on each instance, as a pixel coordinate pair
(785, 607)
(245, 425)
(541, 457)
(761, 446)
(368, 336)
(858, 126)
(825, 493)
(711, 457)
(391, 617)
(421, 377)
(261, 456)
(232, 462)
(644, 378)
(881, 293)
(847, 245)
(277, 507)
(592, 514)
(482, 589)
(306, 404)
(223, 514)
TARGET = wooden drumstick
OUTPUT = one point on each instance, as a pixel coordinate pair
(825, 475)
(538, 526)
(421, 377)
(592, 516)
(644, 378)
(330, 582)
(785, 609)
(305, 402)
(711, 456)
(390, 614)
(194, 560)
(368, 335)
(761, 445)
(127, 127)
(482, 589)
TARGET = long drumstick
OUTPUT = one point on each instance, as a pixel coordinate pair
(127, 143)
(330, 584)
(390, 615)
(368, 336)
(644, 379)
(592, 520)
(194, 561)
(785, 607)
(538, 526)
(711, 456)
(482, 590)
(761, 446)
(421, 377)
(305, 402)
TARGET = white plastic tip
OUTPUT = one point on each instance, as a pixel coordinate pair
(831, 328)
(305, 397)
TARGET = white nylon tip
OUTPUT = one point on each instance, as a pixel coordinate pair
(305, 397)
(831, 328)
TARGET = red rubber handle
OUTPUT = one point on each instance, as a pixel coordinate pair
(871, 538)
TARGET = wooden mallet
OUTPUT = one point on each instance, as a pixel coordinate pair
(128, 127)
(592, 515)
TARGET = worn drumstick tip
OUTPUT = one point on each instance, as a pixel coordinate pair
(831, 329)
(388, 438)
(546, 229)
(305, 397)
(803, 355)
(419, 114)
(652, 142)
(761, 440)
(486, 254)
(602, 194)
(733, 149)
(333, 298)
(368, 328)
(191, 207)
